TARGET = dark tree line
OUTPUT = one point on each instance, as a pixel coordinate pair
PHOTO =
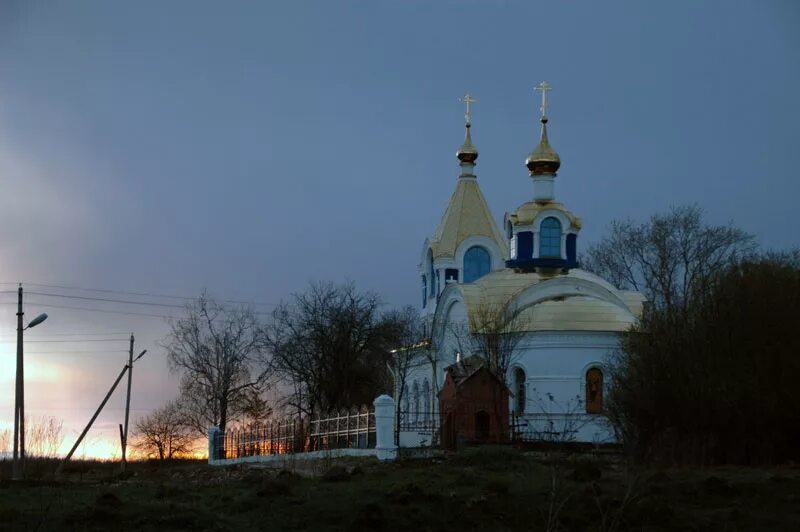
(324, 350)
(709, 375)
(331, 345)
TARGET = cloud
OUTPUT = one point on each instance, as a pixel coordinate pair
(45, 219)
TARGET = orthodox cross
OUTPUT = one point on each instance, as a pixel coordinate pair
(544, 87)
(467, 99)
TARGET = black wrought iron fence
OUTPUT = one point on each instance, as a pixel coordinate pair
(347, 429)
(417, 421)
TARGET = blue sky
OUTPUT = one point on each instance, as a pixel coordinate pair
(252, 147)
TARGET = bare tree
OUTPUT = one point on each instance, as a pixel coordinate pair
(44, 436)
(255, 409)
(493, 332)
(331, 345)
(413, 346)
(220, 353)
(670, 257)
(715, 384)
(163, 434)
(5, 442)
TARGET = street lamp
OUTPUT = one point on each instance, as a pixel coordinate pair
(19, 398)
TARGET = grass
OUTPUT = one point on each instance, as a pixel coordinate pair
(479, 489)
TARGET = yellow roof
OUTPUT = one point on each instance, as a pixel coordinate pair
(575, 314)
(527, 213)
(467, 215)
(588, 303)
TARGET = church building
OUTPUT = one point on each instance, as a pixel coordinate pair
(566, 321)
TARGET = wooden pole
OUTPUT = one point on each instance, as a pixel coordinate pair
(19, 399)
(91, 421)
(127, 405)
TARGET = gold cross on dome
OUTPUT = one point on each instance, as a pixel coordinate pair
(467, 99)
(544, 87)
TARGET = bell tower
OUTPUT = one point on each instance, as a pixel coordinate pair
(542, 233)
(468, 243)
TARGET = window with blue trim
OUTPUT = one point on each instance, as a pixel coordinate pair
(550, 238)
(477, 263)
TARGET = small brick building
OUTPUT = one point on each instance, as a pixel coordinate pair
(473, 404)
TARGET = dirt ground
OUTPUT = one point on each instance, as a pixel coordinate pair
(479, 489)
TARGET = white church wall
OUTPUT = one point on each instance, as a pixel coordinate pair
(555, 366)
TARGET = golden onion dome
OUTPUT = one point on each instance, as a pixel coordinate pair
(467, 153)
(543, 160)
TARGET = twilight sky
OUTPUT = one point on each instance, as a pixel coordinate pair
(252, 147)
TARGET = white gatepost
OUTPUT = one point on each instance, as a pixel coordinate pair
(384, 428)
(212, 444)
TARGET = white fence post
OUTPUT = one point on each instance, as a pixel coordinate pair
(212, 443)
(384, 428)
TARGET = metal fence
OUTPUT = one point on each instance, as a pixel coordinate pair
(417, 421)
(348, 429)
(552, 428)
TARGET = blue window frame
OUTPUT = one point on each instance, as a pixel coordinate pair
(477, 263)
(550, 238)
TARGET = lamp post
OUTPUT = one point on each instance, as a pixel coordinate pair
(19, 399)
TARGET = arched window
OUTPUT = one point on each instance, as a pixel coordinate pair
(594, 391)
(433, 273)
(406, 404)
(519, 390)
(550, 238)
(415, 398)
(424, 291)
(477, 263)
(426, 401)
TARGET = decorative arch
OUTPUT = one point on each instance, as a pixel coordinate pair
(498, 250)
(477, 263)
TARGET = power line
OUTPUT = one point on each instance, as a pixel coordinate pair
(50, 305)
(69, 341)
(54, 335)
(87, 351)
(106, 300)
(142, 294)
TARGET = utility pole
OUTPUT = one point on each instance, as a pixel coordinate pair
(97, 413)
(127, 405)
(19, 400)
(91, 421)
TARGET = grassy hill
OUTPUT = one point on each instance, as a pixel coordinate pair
(479, 489)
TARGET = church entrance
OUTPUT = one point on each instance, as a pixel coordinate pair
(449, 432)
(482, 426)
